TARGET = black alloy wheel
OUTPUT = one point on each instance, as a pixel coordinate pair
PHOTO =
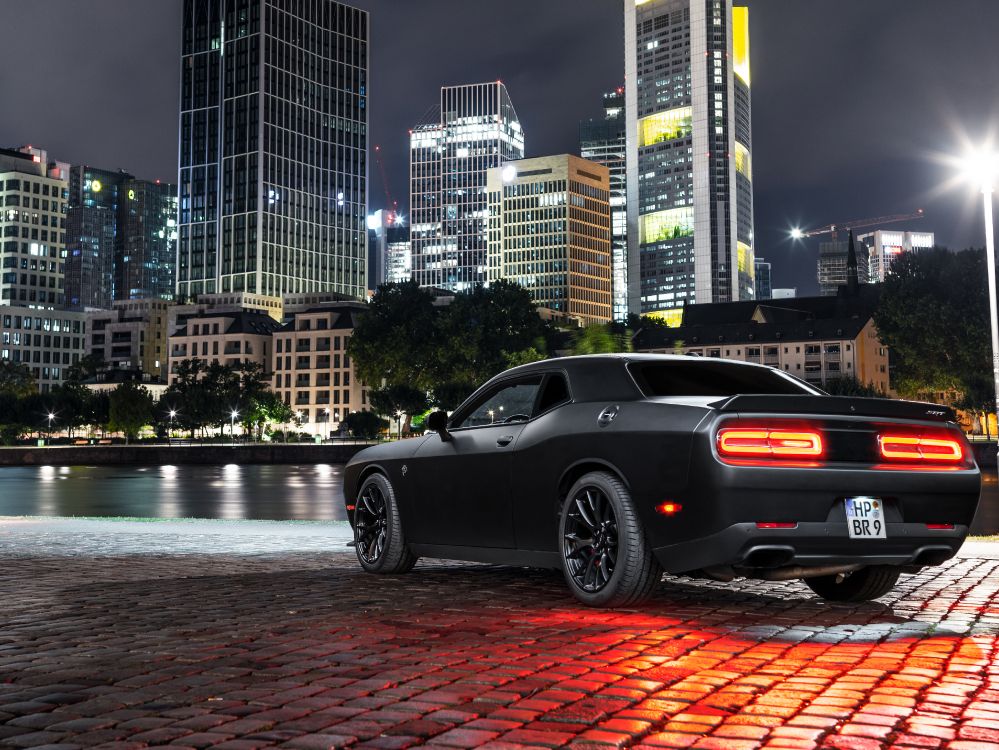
(606, 558)
(589, 540)
(370, 524)
(378, 536)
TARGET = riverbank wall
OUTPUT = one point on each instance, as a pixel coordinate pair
(158, 455)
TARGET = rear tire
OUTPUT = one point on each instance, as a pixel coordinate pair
(862, 585)
(378, 539)
(605, 556)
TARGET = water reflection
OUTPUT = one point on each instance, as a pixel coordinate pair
(271, 492)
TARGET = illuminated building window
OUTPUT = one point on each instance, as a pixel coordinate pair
(743, 161)
(665, 126)
(667, 225)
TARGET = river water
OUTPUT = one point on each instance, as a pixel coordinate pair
(255, 492)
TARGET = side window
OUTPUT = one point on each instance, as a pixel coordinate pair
(556, 392)
(511, 403)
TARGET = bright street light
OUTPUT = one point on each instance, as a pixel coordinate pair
(982, 168)
(232, 425)
(797, 234)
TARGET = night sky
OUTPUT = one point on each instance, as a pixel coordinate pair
(854, 101)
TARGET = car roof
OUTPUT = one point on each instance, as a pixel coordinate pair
(599, 377)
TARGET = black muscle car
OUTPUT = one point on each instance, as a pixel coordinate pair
(615, 468)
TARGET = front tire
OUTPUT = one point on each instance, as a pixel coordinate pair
(605, 557)
(378, 538)
(862, 585)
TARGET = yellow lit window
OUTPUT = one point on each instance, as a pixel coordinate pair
(743, 161)
(665, 126)
(667, 225)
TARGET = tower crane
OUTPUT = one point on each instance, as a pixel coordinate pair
(834, 229)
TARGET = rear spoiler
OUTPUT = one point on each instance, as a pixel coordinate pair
(837, 405)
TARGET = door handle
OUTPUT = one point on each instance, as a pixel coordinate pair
(504, 441)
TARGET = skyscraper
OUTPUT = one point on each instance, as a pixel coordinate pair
(273, 148)
(92, 237)
(385, 230)
(835, 258)
(690, 197)
(147, 252)
(604, 142)
(763, 279)
(549, 231)
(885, 245)
(474, 129)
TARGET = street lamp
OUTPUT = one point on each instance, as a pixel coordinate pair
(173, 416)
(51, 416)
(982, 167)
(232, 425)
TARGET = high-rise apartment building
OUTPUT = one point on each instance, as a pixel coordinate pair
(885, 245)
(550, 232)
(474, 129)
(273, 148)
(604, 142)
(763, 279)
(33, 192)
(689, 154)
(147, 251)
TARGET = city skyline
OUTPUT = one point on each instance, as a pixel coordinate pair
(820, 155)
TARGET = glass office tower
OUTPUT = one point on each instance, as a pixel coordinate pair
(603, 141)
(474, 129)
(273, 147)
(690, 197)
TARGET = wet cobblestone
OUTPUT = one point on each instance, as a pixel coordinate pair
(299, 649)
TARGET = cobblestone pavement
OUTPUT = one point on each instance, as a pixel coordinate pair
(238, 649)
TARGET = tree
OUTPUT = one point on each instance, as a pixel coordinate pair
(365, 424)
(404, 342)
(16, 379)
(394, 341)
(131, 408)
(399, 399)
(88, 366)
(934, 317)
(482, 329)
(848, 385)
(600, 339)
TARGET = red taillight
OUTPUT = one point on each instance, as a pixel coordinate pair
(940, 526)
(750, 442)
(351, 508)
(769, 525)
(668, 508)
(919, 448)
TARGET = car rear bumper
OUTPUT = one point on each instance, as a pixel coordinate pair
(744, 545)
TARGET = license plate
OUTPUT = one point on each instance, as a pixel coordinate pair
(865, 518)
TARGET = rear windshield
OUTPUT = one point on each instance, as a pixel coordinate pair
(706, 378)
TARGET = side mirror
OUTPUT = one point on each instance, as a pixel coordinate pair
(437, 422)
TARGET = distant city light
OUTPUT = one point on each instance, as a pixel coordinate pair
(96, 186)
(797, 234)
(509, 173)
(373, 222)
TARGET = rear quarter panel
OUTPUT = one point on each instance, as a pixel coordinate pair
(648, 445)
